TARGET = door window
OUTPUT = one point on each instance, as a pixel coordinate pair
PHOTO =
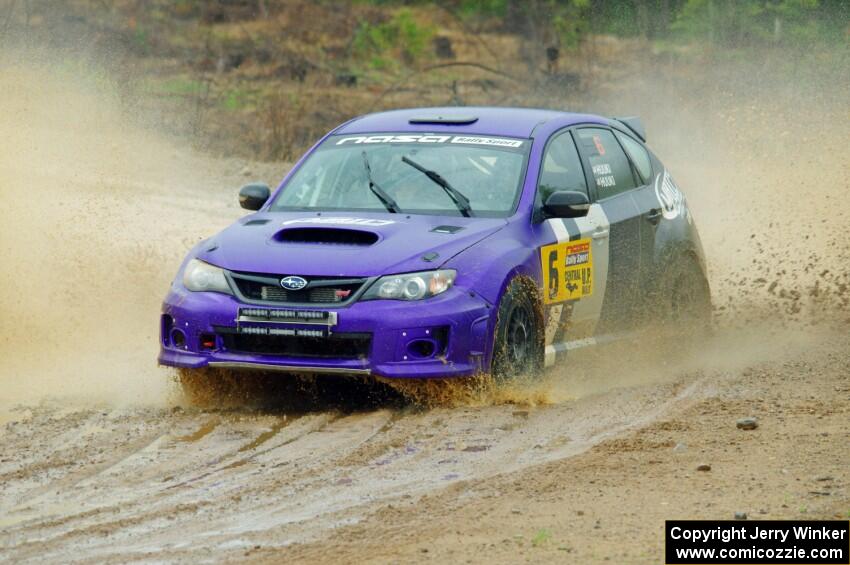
(611, 168)
(561, 168)
(639, 155)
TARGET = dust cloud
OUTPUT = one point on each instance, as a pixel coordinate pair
(761, 150)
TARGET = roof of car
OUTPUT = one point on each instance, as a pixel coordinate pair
(511, 122)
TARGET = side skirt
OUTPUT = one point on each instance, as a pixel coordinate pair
(558, 351)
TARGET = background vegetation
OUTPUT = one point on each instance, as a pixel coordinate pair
(265, 78)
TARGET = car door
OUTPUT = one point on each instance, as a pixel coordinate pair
(573, 252)
(613, 183)
(648, 197)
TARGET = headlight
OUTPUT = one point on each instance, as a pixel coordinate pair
(200, 276)
(411, 286)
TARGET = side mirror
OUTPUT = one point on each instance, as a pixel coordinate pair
(567, 204)
(253, 196)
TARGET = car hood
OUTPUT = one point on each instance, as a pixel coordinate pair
(343, 244)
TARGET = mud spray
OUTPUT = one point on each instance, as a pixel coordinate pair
(95, 215)
(97, 212)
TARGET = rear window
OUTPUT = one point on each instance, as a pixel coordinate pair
(639, 155)
(610, 166)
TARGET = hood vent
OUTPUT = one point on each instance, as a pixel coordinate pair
(327, 236)
(447, 229)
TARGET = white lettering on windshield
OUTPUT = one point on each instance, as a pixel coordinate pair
(395, 139)
(488, 141)
(430, 138)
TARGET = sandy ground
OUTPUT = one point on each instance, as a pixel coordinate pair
(102, 460)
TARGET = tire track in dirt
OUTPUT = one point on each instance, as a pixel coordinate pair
(52, 460)
(129, 498)
(231, 479)
(148, 459)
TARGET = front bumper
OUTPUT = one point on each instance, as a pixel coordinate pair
(389, 335)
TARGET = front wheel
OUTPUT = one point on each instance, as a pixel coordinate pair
(518, 339)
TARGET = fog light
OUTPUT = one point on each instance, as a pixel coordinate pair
(422, 348)
(166, 324)
(178, 338)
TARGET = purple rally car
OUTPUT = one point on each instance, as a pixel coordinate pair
(442, 242)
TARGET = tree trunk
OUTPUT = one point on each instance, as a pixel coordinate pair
(663, 17)
(712, 21)
(642, 13)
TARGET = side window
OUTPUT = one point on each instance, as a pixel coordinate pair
(610, 166)
(561, 168)
(638, 154)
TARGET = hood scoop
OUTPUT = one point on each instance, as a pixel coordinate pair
(327, 236)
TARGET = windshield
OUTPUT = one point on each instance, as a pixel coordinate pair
(411, 174)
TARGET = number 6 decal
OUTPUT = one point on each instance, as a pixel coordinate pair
(552, 277)
(567, 270)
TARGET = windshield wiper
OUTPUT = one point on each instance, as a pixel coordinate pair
(461, 201)
(385, 198)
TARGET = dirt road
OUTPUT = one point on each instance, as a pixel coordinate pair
(102, 460)
(594, 476)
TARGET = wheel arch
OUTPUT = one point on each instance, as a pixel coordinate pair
(495, 265)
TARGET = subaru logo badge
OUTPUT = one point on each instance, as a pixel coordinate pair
(293, 283)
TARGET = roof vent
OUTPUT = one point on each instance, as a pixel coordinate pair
(444, 120)
(327, 236)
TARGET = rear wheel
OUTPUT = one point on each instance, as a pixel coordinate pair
(686, 300)
(518, 339)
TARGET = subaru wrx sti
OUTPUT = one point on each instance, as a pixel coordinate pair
(443, 242)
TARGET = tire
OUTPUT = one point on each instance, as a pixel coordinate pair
(686, 300)
(518, 336)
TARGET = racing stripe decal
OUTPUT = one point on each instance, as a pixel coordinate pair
(572, 229)
(582, 315)
(553, 324)
(555, 319)
(559, 228)
(588, 310)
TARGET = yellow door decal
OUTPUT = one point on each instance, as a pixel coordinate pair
(567, 270)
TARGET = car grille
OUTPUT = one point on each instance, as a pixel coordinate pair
(338, 346)
(319, 291)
